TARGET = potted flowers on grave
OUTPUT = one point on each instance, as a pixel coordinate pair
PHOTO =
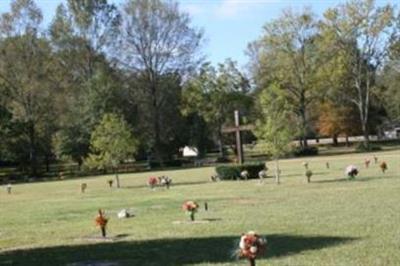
(383, 166)
(190, 207)
(101, 221)
(351, 171)
(251, 246)
(309, 173)
(165, 181)
(8, 188)
(152, 182)
(244, 174)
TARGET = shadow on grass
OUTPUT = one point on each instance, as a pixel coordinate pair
(166, 252)
(357, 179)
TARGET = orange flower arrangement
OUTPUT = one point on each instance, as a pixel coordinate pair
(251, 246)
(191, 208)
(383, 166)
(101, 221)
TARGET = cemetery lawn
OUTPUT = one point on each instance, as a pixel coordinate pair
(331, 221)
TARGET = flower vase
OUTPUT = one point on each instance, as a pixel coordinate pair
(192, 216)
(103, 231)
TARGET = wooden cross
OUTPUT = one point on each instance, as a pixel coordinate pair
(237, 129)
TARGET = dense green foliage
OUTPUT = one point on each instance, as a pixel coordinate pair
(308, 77)
(232, 172)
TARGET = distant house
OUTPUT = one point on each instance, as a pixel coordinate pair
(392, 131)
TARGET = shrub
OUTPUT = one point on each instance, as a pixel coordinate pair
(360, 147)
(305, 151)
(231, 172)
(226, 172)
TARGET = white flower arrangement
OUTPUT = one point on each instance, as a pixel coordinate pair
(244, 174)
(8, 188)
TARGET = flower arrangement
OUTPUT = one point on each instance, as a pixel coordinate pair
(190, 207)
(305, 164)
(351, 171)
(101, 221)
(110, 182)
(367, 162)
(309, 173)
(165, 181)
(244, 174)
(215, 178)
(8, 188)
(251, 246)
(383, 166)
(262, 174)
(83, 187)
(152, 181)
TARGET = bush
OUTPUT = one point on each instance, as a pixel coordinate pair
(231, 172)
(305, 151)
(360, 147)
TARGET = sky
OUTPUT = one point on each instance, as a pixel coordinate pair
(229, 25)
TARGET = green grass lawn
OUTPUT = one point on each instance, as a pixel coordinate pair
(330, 221)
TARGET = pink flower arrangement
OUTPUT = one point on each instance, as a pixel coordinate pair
(251, 246)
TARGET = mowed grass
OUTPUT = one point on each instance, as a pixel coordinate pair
(330, 221)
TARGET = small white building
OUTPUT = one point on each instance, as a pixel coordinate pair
(393, 133)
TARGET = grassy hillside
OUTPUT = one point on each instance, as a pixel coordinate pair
(330, 221)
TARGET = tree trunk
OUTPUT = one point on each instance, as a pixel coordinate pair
(303, 120)
(277, 171)
(347, 141)
(365, 134)
(47, 163)
(221, 144)
(117, 178)
(335, 139)
(32, 150)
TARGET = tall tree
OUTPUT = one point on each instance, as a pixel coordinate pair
(156, 40)
(26, 71)
(335, 119)
(286, 54)
(80, 34)
(363, 31)
(111, 143)
(213, 94)
(273, 125)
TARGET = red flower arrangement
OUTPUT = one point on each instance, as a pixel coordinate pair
(251, 246)
(383, 166)
(101, 221)
(191, 208)
(152, 181)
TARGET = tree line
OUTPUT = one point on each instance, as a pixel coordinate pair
(137, 72)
